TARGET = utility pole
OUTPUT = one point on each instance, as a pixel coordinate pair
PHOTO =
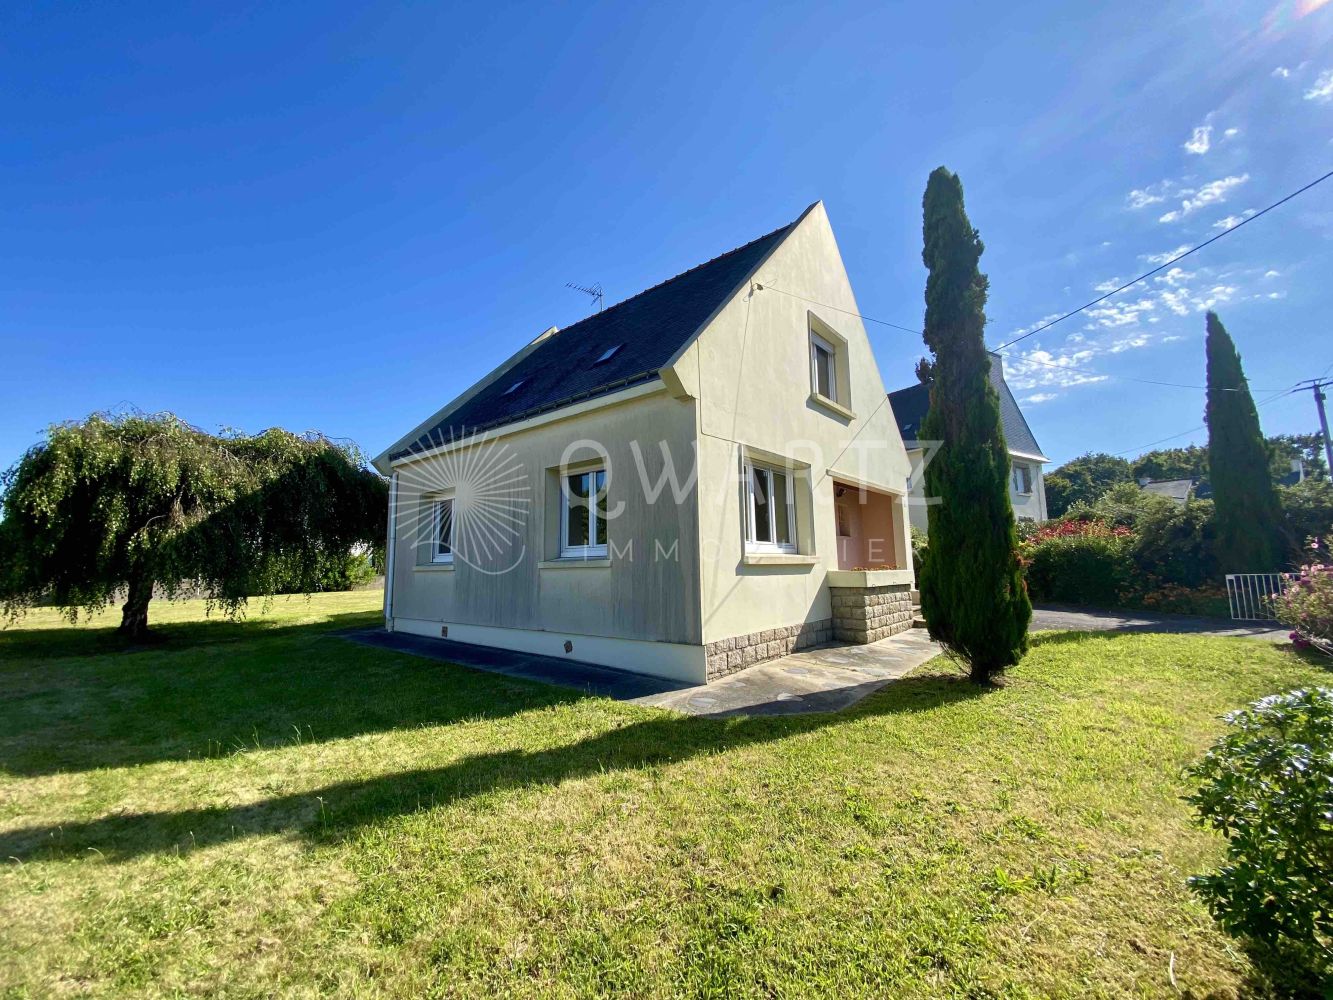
(1323, 423)
(1317, 387)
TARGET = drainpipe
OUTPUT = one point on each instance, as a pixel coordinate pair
(389, 548)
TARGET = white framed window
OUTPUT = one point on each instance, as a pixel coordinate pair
(823, 367)
(770, 509)
(442, 533)
(583, 515)
(1022, 476)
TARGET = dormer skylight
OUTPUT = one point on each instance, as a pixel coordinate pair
(513, 387)
(608, 354)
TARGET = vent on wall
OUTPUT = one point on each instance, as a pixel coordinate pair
(444, 631)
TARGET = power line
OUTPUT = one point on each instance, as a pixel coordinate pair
(1021, 359)
(1143, 447)
(1178, 257)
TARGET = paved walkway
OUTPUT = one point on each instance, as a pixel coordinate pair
(1078, 619)
(824, 679)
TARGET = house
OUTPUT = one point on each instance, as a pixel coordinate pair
(696, 479)
(1027, 489)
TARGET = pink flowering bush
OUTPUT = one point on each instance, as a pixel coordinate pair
(1307, 606)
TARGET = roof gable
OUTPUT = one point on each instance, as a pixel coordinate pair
(911, 404)
(625, 345)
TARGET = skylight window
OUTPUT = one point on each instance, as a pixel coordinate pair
(513, 387)
(608, 354)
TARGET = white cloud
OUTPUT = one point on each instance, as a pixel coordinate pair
(1272, 274)
(1281, 73)
(1323, 87)
(1041, 397)
(1200, 140)
(1109, 285)
(1229, 222)
(1210, 193)
(1142, 197)
(1174, 277)
(1231, 133)
(1162, 258)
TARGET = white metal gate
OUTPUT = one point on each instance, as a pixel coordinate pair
(1251, 595)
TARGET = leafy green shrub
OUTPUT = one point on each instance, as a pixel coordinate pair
(1307, 607)
(1308, 509)
(1083, 562)
(1267, 786)
(919, 543)
(1173, 543)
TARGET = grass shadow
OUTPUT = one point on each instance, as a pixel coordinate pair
(337, 811)
(213, 689)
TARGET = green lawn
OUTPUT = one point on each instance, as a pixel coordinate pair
(260, 809)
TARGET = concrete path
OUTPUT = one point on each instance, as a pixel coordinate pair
(824, 679)
(1077, 619)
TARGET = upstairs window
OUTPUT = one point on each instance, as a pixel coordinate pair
(1022, 476)
(608, 354)
(823, 367)
(515, 387)
(770, 514)
(442, 546)
(583, 515)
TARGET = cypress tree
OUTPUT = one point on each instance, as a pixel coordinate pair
(1247, 514)
(972, 591)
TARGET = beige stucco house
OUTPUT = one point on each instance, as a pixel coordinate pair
(699, 478)
(1027, 480)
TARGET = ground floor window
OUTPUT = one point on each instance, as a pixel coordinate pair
(583, 515)
(770, 512)
(442, 549)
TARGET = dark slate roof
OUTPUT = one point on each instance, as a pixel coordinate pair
(1178, 490)
(650, 327)
(910, 406)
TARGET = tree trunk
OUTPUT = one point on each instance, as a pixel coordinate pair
(134, 615)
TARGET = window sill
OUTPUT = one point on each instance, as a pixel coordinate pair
(573, 562)
(832, 405)
(434, 568)
(777, 559)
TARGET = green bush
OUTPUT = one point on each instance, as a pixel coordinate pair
(1267, 787)
(1089, 565)
(1173, 543)
(1307, 606)
(919, 542)
(1308, 509)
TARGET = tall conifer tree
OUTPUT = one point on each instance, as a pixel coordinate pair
(1245, 503)
(972, 591)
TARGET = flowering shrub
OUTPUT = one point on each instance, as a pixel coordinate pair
(1307, 606)
(1177, 599)
(1267, 787)
(1077, 529)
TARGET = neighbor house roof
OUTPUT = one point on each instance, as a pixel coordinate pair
(1178, 490)
(625, 345)
(911, 404)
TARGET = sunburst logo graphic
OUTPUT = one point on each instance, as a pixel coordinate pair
(475, 500)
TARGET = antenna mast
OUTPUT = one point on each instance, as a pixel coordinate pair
(594, 291)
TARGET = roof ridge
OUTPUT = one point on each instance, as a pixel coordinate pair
(674, 277)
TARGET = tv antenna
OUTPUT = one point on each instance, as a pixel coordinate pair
(594, 291)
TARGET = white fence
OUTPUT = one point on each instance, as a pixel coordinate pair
(1251, 595)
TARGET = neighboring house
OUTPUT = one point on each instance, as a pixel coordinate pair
(1178, 490)
(1027, 489)
(698, 478)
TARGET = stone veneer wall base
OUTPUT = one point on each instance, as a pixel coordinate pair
(869, 614)
(726, 656)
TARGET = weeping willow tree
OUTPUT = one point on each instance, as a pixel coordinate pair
(118, 507)
(972, 592)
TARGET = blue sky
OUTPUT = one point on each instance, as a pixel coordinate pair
(253, 217)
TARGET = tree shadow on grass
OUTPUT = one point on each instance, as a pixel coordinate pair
(212, 690)
(337, 811)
